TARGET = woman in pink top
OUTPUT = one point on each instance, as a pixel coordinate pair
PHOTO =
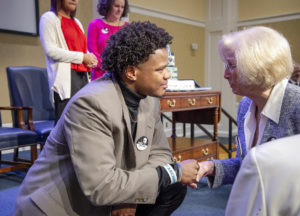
(100, 29)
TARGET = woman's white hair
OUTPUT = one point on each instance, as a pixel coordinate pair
(263, 56)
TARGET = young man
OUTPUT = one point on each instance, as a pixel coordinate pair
(108, 154)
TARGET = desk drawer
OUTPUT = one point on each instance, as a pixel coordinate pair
(189, 102)
(209, 100)
(198, 149)
(180, 103)
(199, 153)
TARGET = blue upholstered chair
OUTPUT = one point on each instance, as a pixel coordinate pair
(28, 87)
(16, 137)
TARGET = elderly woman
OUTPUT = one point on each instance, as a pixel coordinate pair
(258, 63)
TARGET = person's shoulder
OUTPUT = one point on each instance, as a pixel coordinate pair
(77, 21)
(284, 149)
(96, 22)
(49, 14)
(292, 88)
(292, 95)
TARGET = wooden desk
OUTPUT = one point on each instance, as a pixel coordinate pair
(199, 107)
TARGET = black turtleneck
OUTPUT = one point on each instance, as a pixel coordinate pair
(132, 100)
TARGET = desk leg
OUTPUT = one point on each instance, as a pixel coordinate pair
(216, 124)
(173, 126)
(192, 130)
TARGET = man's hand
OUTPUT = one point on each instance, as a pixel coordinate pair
(189, 172)
(123, 210)
(207, 168)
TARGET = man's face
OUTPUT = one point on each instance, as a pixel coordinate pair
(152, 76)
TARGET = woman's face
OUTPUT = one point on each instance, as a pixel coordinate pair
(69, 5)
(231, 73)
(116, 9)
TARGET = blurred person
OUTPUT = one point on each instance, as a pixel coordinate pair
(267, 183)
(102, 28)
(295, 78)
(108, 154)
(258, 63)
(65, 47)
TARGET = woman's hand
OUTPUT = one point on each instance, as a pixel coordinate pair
(90, 60)
(207, 168)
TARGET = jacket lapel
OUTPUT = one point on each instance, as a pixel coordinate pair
(125, 110)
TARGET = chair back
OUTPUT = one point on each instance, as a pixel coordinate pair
(28, 86)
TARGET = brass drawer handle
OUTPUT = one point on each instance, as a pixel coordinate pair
(177, 159)
(192, 102)
(209, 100)
(171, 103)
(205, 151)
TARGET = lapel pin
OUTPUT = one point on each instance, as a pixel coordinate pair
(142, 143)
(104, 30)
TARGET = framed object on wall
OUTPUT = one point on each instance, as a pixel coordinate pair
(19, 16)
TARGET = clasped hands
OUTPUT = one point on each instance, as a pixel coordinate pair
(90, 60)
(193, 171)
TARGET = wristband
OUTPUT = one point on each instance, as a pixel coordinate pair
(171, 172)
(179, 171)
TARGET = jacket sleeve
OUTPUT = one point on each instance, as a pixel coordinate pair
(89, 134)
(226, 170)
(53, 41)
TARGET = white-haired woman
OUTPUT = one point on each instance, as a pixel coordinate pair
(258, 63)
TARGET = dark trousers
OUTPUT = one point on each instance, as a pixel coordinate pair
(78, 80)
(168, 200)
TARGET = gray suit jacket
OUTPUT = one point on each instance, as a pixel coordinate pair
(90, 161)
(268, 181)
(289, 124)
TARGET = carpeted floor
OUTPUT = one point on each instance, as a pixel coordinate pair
(204, 201)
(198, 202)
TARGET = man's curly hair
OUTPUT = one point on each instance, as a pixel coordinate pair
(132, 45)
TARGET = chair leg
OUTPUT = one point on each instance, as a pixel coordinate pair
(33, 153)
(16, 154)
(42, 146)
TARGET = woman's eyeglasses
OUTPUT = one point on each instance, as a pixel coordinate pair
(230, 67)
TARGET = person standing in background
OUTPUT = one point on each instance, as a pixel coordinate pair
(295, 78)
(101, 29)
(65, 47)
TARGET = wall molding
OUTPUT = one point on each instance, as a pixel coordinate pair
(163, 15)
(249, 22)
(270, 19)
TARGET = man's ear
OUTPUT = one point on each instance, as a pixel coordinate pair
(130, 73)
